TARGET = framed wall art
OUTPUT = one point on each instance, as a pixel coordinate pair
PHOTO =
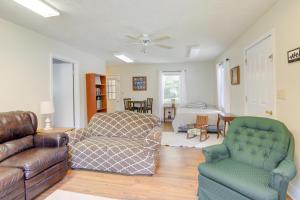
(235, 75)
(139, 83)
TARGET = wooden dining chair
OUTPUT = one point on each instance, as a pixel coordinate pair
(143, 106)
(149, 105)
(127, 103)
(202, 124)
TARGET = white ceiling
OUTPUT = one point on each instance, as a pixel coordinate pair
(100, 26)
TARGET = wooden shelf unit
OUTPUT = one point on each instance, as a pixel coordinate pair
(92, 85)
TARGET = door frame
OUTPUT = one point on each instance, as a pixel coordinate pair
(263, 37)
(76, 85)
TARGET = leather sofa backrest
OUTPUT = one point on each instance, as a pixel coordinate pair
(16, 125)
(260, 142)
(122, 124)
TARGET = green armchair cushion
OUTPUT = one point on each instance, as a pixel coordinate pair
(261, 143)
(248, 180)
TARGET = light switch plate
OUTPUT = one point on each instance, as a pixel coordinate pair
(281, 94)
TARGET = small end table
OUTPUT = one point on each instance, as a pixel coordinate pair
(227, 118)
(169, 109)
(54, 130)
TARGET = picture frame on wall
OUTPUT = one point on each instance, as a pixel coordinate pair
(139, 83)
(235, 75)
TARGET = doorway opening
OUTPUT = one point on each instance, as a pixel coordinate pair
(65, 92)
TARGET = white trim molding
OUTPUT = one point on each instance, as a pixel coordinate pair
(76, 84)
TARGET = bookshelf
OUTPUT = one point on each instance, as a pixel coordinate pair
(95, 94)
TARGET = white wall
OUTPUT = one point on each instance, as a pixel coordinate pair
(25, 68)
(283, 18)
(201, 80)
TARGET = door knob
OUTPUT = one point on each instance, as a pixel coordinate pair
(269, 112)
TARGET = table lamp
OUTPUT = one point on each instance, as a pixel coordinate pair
(47, 109)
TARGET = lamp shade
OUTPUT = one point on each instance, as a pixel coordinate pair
(46, 107)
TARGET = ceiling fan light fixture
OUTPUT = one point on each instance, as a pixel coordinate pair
(194, 51)
(124, 58)
(39, 7)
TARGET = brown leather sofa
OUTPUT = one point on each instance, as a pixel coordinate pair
(29, 162)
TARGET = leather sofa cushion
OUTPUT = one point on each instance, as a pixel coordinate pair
(35, 160)
(243, 178)
(15, 125)
(9, 177)
(15, 146)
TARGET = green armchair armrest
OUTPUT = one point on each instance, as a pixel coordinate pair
(286, 171)
(215, 153)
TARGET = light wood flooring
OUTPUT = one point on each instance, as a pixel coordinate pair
(176, 179)
(167, 126)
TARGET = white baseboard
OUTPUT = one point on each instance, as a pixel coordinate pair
(293, 192)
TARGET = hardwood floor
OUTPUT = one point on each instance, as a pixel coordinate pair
(167, 126)
(176, 178)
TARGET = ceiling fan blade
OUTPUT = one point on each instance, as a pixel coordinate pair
(164, 46)
(133, 38)
(161, 38)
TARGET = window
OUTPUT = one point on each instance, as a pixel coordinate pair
(223, 76)
(171, 88)
(111, 89)
(221, 86)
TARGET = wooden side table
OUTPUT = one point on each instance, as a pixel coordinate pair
(167, 109)
(227, 118)
(54, 130)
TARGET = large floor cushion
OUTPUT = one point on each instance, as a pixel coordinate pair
(11, 182)
(248, 180)
(115, 154)
(35, 160)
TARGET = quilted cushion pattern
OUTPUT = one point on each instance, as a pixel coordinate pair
(251, 181)
(261, 143)
(114, 154)
(122, 142)
(122, 124)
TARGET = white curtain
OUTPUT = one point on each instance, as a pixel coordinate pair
(160, 95)
(223, 86)
(182, 89)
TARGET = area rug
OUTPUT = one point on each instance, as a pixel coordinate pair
(66, 195)
(179, 140)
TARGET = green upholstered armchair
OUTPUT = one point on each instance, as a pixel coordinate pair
(255, 161)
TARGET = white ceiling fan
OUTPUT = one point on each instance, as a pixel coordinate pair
(145, 40)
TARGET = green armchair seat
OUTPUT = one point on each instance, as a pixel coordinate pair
(255, 161)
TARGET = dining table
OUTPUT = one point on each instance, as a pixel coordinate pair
(137, 105)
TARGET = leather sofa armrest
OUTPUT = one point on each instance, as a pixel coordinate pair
(215, 153)
(51, 140)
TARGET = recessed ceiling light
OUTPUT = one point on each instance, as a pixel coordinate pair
(124, 58)
(38, 7)
(194, 51)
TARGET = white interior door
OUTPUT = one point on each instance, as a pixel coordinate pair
(260, 79)
(63, 95)
(114, 93)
